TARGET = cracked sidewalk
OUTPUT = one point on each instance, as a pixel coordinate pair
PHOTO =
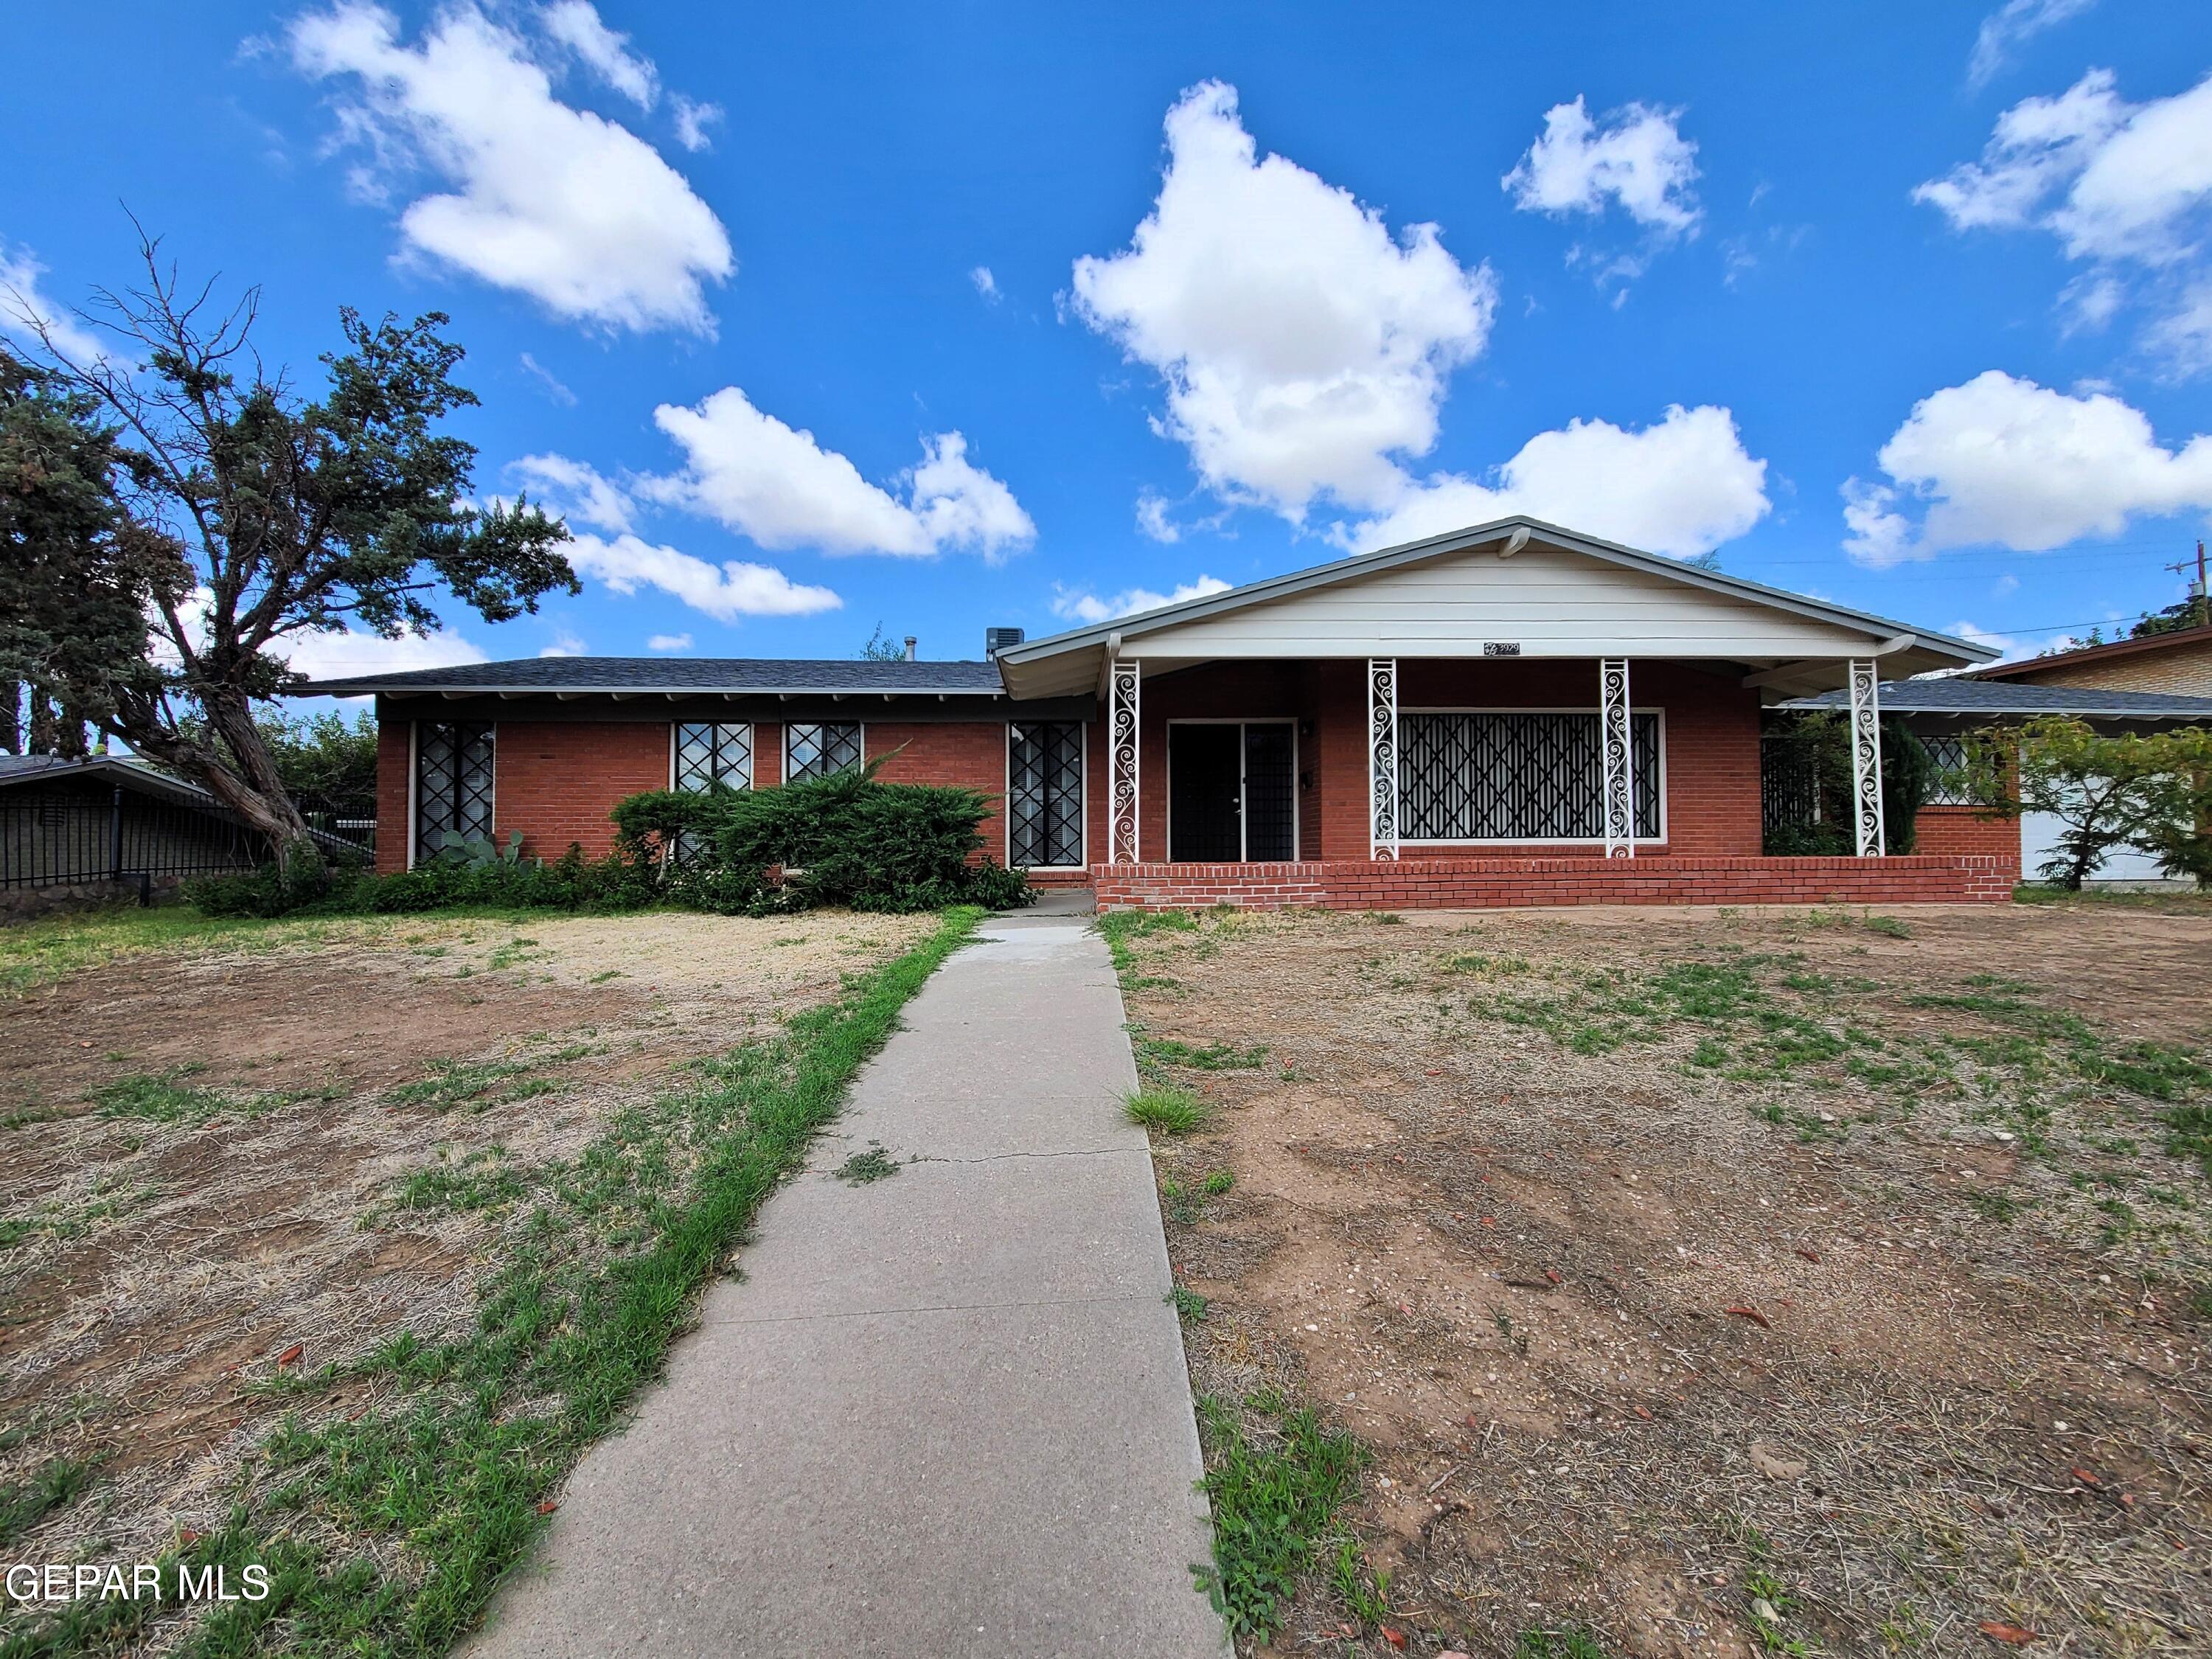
(945, 1412)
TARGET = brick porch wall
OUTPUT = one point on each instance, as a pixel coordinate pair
(394, 740)
(556, 780)
(1965, 831)
(1486, 882)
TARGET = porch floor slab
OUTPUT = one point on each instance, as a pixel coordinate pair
(945, 1412)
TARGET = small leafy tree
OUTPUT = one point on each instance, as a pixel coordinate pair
(2106, 793)
(242, 516)
(2178, 829)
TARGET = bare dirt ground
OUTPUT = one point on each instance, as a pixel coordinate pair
(1723, 1283)
(238, 1158)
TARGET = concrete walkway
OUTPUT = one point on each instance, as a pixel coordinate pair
(943, 1414)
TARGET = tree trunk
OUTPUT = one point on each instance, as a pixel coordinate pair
(252, 789)
(11, 717)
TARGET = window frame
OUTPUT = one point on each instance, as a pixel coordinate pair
(752, 749)
(860, 741)
(415, 784)
(1595, 714)
(1082, 799)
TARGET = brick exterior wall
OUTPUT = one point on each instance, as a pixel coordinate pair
(1967, 832)
(558, 777)
(557, 780)
(394, 747)
(1487, 882)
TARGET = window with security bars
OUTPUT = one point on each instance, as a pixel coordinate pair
(453, 784)
(1516, 776)
(820, 752)
(707, 754)
(1951, 778)
(1044, 794)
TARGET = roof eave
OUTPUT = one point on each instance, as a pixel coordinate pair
(1958, 652)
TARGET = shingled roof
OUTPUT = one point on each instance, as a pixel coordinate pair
(1954, 695)
(705, 675)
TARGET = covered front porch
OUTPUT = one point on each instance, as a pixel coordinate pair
(1512, 714)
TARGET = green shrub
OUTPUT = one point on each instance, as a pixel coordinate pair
(845, 840)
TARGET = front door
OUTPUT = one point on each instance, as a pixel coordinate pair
(1231, 791)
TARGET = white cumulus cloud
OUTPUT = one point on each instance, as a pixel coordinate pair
(724, 592)
(1081, 605)
(2011, 23)
(575, 489)
(1303, 346)
(565, 644)
(1636, 157)
(986, 284)
(2005, 462)
(2125, 187)
(576, 25)
(669, 643)
(544, 199)
(23, 307)
(1682, 487)
(775, 485)
(693, 118)
(350, 653)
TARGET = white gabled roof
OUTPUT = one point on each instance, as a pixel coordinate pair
(1518, 582)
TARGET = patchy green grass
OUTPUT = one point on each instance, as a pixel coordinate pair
(1189, 1304)
(38, 953)
(1218, 1183)
(483, 1083)
(1153, 1053)
(108, 1200)
(1572, 1642)
(160, 1097)
(1171, 1110)
(55, 1483)
(483, 1180)
(1119, 927)
(386, 1531)
(1274, 1502)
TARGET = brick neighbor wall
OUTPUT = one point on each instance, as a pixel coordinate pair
(1484, 883)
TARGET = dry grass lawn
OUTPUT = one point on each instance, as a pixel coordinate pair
(239, 1156)
(1712, 1283)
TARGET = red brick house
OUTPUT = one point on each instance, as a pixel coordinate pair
(1510, 714)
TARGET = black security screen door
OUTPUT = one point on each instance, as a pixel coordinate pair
(1270, 832)
(1232, 792)
(1204, 790)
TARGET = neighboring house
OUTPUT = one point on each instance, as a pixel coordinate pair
(104, 827)
(1945, 712)
(2177, 665)
(1510, 714)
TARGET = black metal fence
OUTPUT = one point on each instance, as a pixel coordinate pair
(70, 831)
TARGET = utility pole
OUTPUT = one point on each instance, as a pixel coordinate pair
(2199, 593)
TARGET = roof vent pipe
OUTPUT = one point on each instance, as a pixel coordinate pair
(909, 648)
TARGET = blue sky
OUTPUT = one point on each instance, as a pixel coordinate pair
(814, 318)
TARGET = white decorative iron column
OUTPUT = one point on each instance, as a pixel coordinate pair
(1381, 758)
(1616, 757)
(1122, 740)
(1866, 759)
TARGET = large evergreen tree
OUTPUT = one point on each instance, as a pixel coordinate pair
(237, 516)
